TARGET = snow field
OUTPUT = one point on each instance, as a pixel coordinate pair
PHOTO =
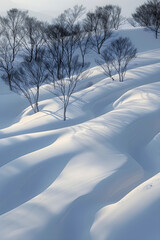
(95, 176)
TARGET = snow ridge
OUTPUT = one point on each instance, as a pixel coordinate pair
(95, 176)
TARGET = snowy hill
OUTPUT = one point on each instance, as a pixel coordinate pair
(95, 176)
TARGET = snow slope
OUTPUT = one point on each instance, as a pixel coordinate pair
(95, 176)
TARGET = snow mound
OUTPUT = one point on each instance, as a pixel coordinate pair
(133, 217)
(95, 176)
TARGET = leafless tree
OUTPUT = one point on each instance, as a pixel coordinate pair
(71, 73)
(116, 18)
(98, 23)
(148, 15)
(12, 26)
(62, 37)
(84, 43)
(33, 39)
(62, 62)
(69, 20)
(132, 22)
(71, 16)
(116, 57)
(28, 79)
(6, 63)
(55, 41)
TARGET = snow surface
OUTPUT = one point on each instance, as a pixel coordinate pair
(95, 176)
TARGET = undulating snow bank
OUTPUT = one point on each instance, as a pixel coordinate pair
(136, 216)
(95, 176)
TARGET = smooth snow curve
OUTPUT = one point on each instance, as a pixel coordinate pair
(95, 176)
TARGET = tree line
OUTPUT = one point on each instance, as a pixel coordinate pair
(33, 53)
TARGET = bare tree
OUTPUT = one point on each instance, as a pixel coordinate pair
(132, 22)
(116, 57)
(28, 79)
(62, 37)
(98, 23)
(84, 43)
(71, 16)
(33, 39)
(69, 19)
(12, 26)
(55, 41)
(148, 15)
(61, 61)
(6, 62)
(71, 73)
(116, 18)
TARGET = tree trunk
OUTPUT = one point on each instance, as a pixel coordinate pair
(64, 113)
(99, 50)
(9, 82)
(31, 56)
(82, 60)
(37, 99)
(156, 33)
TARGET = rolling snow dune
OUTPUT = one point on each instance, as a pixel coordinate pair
(133, 217)
(95, 176)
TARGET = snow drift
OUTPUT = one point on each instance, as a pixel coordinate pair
(95, 176)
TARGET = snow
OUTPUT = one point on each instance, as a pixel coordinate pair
(131, 217)
(94, 176)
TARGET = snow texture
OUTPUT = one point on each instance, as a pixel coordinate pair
(95, 176)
